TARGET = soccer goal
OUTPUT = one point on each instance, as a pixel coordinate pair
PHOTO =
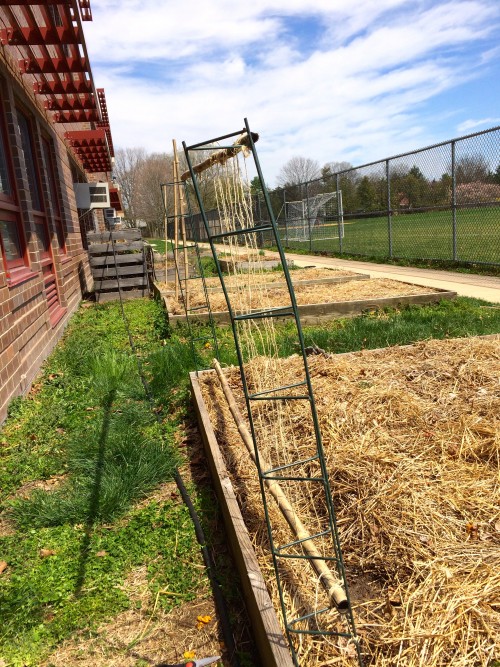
(317, 217)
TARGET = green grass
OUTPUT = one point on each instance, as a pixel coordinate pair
(159, 245)
(88, 427)
(421, 235)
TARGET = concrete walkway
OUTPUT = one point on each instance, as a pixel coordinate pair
(465, 284)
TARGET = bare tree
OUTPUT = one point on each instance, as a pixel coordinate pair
(128, 163)
(331, 168)
(298, 170)
(471, 168)
(155, 170)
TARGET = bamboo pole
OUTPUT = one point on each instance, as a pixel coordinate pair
(328, 580)
(184, 243)
(164, 187)
(176, 217)
(181, 204)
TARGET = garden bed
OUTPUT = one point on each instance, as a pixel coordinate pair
(411, 438)
(316, 302)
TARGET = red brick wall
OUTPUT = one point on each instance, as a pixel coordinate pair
(27, 334)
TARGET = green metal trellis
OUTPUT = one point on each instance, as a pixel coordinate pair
(310, 623)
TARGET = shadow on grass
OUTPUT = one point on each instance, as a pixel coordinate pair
(94, 500)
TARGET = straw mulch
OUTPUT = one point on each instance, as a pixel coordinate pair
(412, 438)
(278, 277)
(306, 294)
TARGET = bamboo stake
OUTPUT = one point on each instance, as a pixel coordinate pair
(164, 187)
(176, 216)
(182, 211)
(335, 592)
(184, 243)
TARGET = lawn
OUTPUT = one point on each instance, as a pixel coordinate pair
(422, 235)
(88, 505)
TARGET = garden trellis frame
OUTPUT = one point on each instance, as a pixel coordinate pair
(292, 393)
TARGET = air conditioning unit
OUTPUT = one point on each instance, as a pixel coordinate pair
(92, 195)
(109, 213)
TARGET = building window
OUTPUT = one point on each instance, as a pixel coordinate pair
(12, 242)
(29, 158)
(51, 172)
(5, 187)
(12, 246)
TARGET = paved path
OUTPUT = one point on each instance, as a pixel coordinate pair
(465, 284)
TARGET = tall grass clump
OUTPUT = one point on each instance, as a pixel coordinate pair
(115, 456)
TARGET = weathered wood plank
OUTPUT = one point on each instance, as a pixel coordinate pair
(122, 246)
(99, 272)
(118, 235)
(111, 260)
(267, 632)
(138, 281)
(103, 297)
(316, 313)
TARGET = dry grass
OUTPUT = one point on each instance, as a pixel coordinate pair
(144, 633)
(251, 296)
(412, 444)
(277, 276)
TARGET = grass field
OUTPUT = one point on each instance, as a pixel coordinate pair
(426, 235)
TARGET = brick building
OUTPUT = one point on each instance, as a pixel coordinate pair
(54, 132)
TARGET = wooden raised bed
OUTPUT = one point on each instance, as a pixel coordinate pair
(386, 294)
(421, 546)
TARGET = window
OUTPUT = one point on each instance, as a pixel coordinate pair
(54, 198)
(12, 246)
(5, 187)
(29, 158)
(12, 243)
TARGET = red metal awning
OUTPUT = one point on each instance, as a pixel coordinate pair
(48, 38)
(92, 148)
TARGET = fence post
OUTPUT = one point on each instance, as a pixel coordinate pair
(286, 218)
(454, 202)
(308, 217)
(389, 211)
(340, 220)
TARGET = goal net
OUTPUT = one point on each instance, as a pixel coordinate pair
(317, 217)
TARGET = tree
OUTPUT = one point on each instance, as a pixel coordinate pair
(155, 170)
(471, 169)
(367, 194)
(128, 163)
(298, 170)
(330, 169)
(495, 176)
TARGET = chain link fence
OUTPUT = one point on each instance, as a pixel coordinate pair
(441, 202)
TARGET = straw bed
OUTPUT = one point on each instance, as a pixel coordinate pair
(411, 438)
(306, 294)
(277, 276)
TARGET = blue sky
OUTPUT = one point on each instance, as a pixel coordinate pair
(332, 80)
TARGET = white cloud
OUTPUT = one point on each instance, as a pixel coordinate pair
(194, 70)
(471, 124)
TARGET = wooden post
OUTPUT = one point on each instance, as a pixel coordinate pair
(175, 179)
(164, 187)
(179, 187)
